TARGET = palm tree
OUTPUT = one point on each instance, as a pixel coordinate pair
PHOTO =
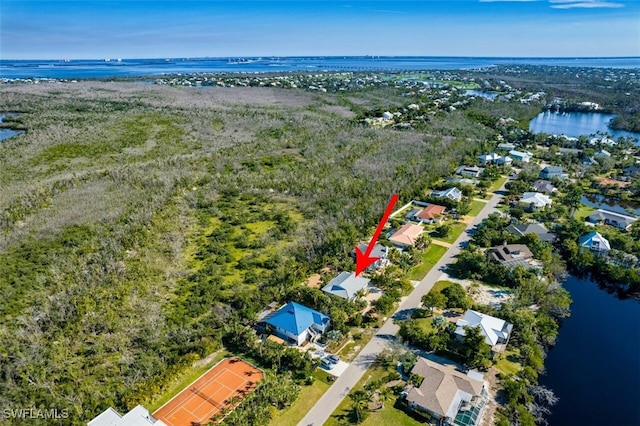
(384, 394)
(361, 401)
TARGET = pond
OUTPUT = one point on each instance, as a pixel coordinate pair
(7, 133)
(575, 124)
(487, 95)
(602, 202)
(594, 368)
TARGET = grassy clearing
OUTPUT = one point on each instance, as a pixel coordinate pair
(309, 395)
(431, 255)
(185, 380)
(509, 362)
(476, 207)
(425, 325)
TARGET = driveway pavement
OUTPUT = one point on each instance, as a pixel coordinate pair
(327, 404)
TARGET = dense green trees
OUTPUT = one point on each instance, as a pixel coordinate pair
(135, 229)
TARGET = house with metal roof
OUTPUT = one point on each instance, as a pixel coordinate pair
(535, 200)
(496, 331)
(296, 323)
(595, 243)
(346, 285)
(447, 395)
(138, 416)
(619, 220)
(523, 157)
(450, 193)
(470, 171)
(551, 172)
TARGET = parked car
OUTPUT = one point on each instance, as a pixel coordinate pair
(326, 363)
(333, 358)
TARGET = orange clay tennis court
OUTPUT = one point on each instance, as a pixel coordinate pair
(210, 393)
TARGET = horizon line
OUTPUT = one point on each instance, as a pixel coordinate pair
(368, 56)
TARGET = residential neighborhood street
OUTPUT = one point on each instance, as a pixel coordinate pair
(327, 404)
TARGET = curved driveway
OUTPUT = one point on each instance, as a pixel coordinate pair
(327, 404)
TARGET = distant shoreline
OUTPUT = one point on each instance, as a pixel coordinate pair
(113, 68)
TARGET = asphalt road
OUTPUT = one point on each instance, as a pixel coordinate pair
(327, 404)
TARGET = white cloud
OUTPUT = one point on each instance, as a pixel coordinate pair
(585, 4)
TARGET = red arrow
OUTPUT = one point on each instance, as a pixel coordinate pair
(364, 260)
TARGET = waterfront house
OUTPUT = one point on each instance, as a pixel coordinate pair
(406, 236)
(521, 156)
(447, 395)
(452, 193)
(551, 172)
(138, 416)
(496, 331)
(347, 285)
(535, 200)
(532, 228)
(545, 186)
(619, 220)
(297, 324)
(595, 243)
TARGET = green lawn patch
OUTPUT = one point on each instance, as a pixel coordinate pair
(476, 206)
(456, 229)
(497, 184)
(431, 255)
(187, 378)
(425, 324)
(509, 362)
(308, 397)
(343, 413)
(583, 212)
(440, 285)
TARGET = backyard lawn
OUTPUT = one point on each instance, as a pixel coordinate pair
(431, 255)
(583, 212)
(509, 362)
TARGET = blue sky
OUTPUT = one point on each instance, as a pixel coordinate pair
(32, 29)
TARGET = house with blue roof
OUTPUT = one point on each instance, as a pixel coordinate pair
(297, 324)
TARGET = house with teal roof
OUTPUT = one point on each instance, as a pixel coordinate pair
(297, 324)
